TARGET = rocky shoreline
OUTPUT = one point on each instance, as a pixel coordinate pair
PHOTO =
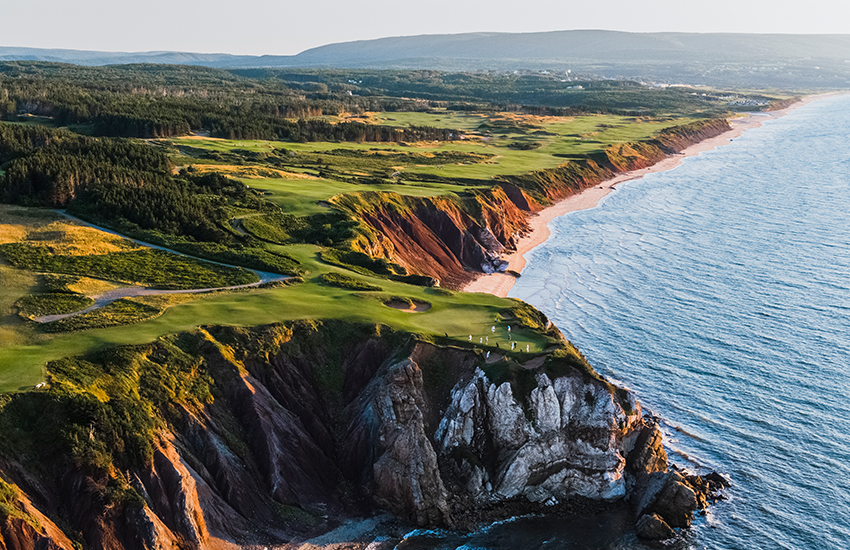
(301, 427)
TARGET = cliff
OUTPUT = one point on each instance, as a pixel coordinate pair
(230, 437)
(454, 239)
(439, 237)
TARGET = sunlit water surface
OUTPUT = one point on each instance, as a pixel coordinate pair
(719, 292)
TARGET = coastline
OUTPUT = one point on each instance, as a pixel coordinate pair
(499, 284)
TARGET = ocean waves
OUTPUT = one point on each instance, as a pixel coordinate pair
(720, 292)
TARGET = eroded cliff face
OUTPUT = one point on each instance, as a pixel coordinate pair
(454, 240)
(308, 423)
(440, 237)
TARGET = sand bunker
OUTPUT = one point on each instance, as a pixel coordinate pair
(412, 306)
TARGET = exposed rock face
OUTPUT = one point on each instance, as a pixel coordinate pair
(435, 236)
(571, 441)
(662, 498)
(652, 527)
(308, 424)
(649, 455)
(26, 528)
(18, 534)
(406, 475)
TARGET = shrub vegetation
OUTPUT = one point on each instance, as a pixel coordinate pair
(155, 268)
(38, 305)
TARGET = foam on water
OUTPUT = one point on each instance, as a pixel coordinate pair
(720, 292)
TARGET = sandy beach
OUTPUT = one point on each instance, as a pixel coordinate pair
(499, 284)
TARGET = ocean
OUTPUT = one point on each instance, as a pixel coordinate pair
(719, 292)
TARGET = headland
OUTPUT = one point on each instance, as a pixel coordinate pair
(499, 284)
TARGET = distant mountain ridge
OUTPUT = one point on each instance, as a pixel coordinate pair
(97, 58)
(757, 59)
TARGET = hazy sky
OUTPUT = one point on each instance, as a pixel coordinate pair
(288, 27)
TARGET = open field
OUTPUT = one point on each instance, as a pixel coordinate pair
(300, 179)
(301, 197)
(516, 143)
(25, 347)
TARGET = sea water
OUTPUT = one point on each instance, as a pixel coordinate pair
(719, 292)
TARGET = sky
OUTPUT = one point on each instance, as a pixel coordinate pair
(286, 27)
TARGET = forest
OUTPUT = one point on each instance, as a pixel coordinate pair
(72, 142)
(155, 101)
(150, 101)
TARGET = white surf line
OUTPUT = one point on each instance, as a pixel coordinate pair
(132, 291)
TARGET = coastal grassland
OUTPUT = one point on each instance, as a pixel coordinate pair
(43, 241)
(15, 332)
(70, 284)
(496, 145)
(53, 259)
(15, 284)
(118, 313)
(552, 142)
(302, 197)
(149, 267)
(290, 187)
(452, 317)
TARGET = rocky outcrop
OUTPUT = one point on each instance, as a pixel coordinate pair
(405, 473)
(664, 499)
(570, 439)
(653, 527)
(24, 527)
(308, 423)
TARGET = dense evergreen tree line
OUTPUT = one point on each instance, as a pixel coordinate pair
(536, 92)
(104, 179)
(162, 101)
(175, 206)
(49, 167)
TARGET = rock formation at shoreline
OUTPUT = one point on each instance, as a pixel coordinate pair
(226, 437)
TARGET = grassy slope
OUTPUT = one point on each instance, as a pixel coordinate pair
(300, 197)
(24, 350)
(573, 136)
(457, 314)
(14, 284)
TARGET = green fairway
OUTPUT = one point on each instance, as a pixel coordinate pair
(518, 144)
(23, 353)
(467, 122)
(301, 197)
(459, 316)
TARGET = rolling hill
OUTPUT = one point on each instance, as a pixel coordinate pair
(752, 60)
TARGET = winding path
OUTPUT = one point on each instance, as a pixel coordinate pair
(110, 296)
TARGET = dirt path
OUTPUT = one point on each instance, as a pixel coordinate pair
(108, 297)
